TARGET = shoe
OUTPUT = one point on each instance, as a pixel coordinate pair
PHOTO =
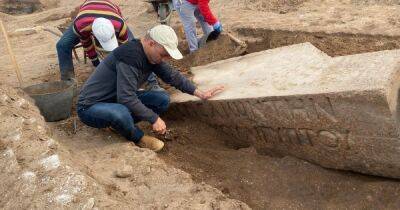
(150, 143)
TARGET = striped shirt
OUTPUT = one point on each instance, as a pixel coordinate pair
(88, 12)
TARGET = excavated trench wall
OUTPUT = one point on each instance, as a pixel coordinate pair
(333, 44)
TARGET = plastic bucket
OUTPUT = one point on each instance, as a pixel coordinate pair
(54, 99)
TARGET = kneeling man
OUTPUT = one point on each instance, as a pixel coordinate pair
(111, 96)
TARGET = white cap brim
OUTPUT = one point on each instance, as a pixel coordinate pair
(109, 45)
(174, 53)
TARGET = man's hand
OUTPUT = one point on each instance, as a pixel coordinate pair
(159, 126)
(209, 93)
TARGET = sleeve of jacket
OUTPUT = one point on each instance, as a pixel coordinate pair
(127, 79)
(85, 37)
(174, 78)
(88, 46)
(206, 11)
(123, 34)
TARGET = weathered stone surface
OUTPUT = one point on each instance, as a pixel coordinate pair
(338, 112)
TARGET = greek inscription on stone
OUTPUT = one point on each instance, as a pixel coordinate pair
(301, 110)
(329, 139)
(304, 138)
(296, 136)
(283, 110)
(288, 135)
(291, 112)
(324, 109)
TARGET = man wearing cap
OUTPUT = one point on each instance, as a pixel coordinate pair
(111, 96)
(189, 11)
(100, 28)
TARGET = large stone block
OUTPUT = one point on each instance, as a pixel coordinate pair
(339, 112)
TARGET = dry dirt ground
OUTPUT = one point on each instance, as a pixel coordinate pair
(267, 181)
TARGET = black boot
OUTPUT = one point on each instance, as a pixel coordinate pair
(68, 75)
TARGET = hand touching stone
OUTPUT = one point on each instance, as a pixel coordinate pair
(209, 93)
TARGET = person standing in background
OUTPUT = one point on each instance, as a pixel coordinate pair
(189, 11)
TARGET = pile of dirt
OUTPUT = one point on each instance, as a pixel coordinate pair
(38, 172)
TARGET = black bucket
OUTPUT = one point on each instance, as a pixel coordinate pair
(54, 99)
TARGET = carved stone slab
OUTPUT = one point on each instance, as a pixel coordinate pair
(338, 112)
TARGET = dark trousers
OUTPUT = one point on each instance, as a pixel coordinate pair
(118, 116)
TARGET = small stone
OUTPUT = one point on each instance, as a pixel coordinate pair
(29, 176)
(9, 153)
(52, 144)
(89, 204)
(4, 99)
(147, 171)
(51, 162)
(124, 172)
(22, 103)
(64, 199)
(41, 129)
(15, 136)
(30, 121)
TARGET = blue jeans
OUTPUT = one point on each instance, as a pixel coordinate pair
(64, 51)
(118, 116)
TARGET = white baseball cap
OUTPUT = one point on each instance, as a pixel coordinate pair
(104, 32)
(165, 36)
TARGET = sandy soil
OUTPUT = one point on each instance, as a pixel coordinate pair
(336, 27)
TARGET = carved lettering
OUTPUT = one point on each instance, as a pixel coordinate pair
(260, 134)
(230, 114)
(328, 139)
(284, 113)
(249, 111)
(299, 109)
(288, 135)
(288, 112)
(219, 110)
(240, 108)
(233, 108)
(271, 134)
(324, 109)
(304, 138)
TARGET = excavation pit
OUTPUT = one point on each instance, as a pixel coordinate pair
(234, 167)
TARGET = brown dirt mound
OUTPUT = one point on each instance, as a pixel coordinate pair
(38, 172)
